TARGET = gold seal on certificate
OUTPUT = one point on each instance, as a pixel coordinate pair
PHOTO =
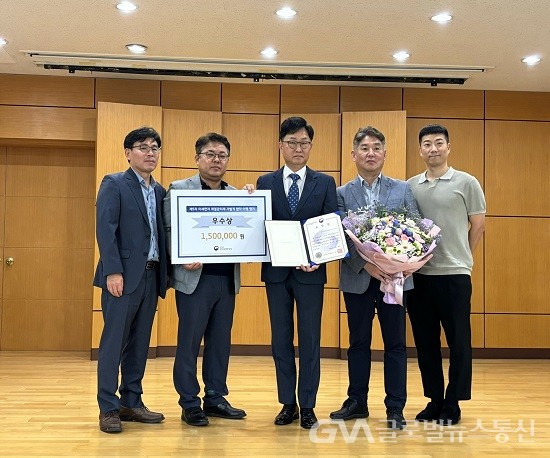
(323, 235)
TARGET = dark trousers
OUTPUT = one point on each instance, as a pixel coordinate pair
(309, 307)
(208, 313)
(125, 342)
(443, 300)
(360, 308)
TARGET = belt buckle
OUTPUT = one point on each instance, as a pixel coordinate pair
(150, 265)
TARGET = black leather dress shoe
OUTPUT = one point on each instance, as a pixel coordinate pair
(224, 410)
(287, 415)
(109, 422)
(351, 408)
(140, 414)
(194, 416)
(307, 418)
(450, 414)
(395, 417)
(431, 412)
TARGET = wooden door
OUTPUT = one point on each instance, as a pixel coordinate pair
(49, 234)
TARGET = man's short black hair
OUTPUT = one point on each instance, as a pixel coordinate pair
(211, 137)
(141, 134)
(432, 129)
(294, 124)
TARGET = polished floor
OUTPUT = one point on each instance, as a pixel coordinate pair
(48, 408)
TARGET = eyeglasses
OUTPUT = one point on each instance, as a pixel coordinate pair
(292, 144)
(211, 155)
(146, 148)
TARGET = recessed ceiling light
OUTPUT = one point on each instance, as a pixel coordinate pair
(268, 52)
(401, 55)
(286, 12)
(442, 18)
(127, 7)
(136, 48)
(3, 41)
(531, 60)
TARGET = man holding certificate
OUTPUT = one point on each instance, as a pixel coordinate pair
(298, 193)
(360, 283)
(205, 299)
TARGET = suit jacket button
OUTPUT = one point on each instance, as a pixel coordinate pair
(147, 237)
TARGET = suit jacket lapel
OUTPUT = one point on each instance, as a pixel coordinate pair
(385, 190)
(278, 190)
(135, 187)
(358, 193)
(309, 186)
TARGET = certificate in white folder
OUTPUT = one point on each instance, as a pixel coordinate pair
(286, 243)
(323, 234)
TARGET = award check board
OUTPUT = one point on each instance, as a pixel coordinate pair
(219, 226)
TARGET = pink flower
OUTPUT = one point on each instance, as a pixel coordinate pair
(390, 241)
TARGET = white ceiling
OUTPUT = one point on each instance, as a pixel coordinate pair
(483, 33)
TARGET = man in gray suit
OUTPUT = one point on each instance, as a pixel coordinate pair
(360, 283)
(205, 299)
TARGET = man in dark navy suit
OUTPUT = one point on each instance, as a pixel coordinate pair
(132, 272)
(297, 193)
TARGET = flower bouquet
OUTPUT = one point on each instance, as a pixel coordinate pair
(398, 242)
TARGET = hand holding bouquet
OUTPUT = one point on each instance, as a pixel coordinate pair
(398, 242)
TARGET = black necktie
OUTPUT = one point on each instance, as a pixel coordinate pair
(293, 192)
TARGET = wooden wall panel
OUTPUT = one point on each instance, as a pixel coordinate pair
(62, 172)
(325, 153)
(181, 129)
(371, 98)
(392, 124)
(330, 326)
(188, 95)
(251, 319)
(250, 98)
(518, 106)
(310, 99)
(253, 139)
(53, 124)
(167, 314)
(517, 331)
(138, 92)
(97, 329)
(478, 279)
(114, 122)
(170, 174)
(57, 324)
(467, 146)
(443, 103)
(517, 162)
(60, 222)
(516, 271)
(47, 91)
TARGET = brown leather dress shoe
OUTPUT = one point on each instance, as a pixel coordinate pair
(109, 422)
(140, 414)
